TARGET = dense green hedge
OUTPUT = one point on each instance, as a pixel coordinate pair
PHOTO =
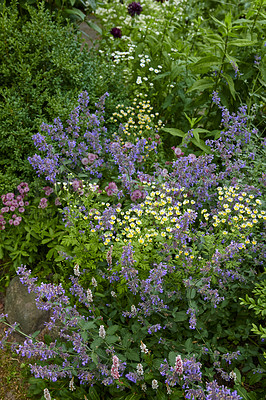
(42, 69)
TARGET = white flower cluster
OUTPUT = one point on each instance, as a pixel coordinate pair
(102, 332)
(143, 348)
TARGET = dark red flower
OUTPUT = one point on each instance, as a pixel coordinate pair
(116, 32)
(134, 8)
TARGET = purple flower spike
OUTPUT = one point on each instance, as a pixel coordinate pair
(134, 8)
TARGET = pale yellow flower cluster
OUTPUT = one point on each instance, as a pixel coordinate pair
(239, 211)
(152, 222)
(138, 121)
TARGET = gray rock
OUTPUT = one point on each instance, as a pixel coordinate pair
(21, 307)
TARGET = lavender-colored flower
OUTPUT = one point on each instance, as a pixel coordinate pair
(134, 9)
(116, 32)
(214, 391)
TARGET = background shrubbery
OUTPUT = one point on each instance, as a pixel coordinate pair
(42, 71)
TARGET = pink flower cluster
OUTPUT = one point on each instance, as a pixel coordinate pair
(179, 365)
(111, 189)
(114, 368)
(43, 203)
(137, 195)
(11, 203)
(89, 159)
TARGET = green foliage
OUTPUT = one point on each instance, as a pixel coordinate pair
(74, 10)
(180, 53)
(35, 242)
(257, 303)
(42, 71)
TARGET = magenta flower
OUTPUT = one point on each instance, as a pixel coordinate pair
(178, 152)
(43, 203)
(111, 189)
(134, 9)
(21, 209)
(116, 32)
(48, 190)
(136, 195)
(85, 161)
(10, 196)
(57, 202)
(91, 157)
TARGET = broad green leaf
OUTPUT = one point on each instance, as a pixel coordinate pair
(175, 132)
(204, 64)
(132, 355)
(171, 357)
(180, 316)
(201, 145)
(111, 339)
(112, 329)
(201, 84)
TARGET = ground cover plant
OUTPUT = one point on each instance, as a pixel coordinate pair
(164, 249)
(157, 282)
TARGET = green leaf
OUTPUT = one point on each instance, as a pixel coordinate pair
(112, 329)
(180, 316)
(94, 26)
(132, 355)
(171, 357)
(217, 21)
(231, 85)
(204, 64)
(112, 339)
(76, 12)
(201, 84)
(133, 396)
(201, 145)
(93, 395)
(175, 132)
(242, 42)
